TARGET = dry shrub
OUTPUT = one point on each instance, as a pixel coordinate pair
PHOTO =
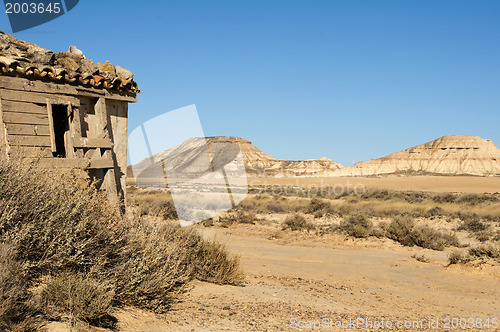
(482, 252)
(357, 225)
(455, 257)
(77, 297)
(56, 226)
(216, 266)
(297, 222)
(402, 229)
(319, 207)
(238, 216)
(157, 204)
(485, 251)
(160, 259)
(14, 312)
(67, 228)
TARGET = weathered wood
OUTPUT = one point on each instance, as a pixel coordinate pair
(94, 93)
(65, 162)
(29, 140)
(4, 146)
(31, 151)
(23, 84)
(102, 130)
(27, 129)
(101, 163)
(26, 118)
(37, 97)
(84, 142)
(50, 116)
(23, 107)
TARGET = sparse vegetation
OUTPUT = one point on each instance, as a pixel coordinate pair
(404, 230)
(357, 225)
(297, 222)
(421, 258)
(67, 232)
(78, 297)
(482, 252)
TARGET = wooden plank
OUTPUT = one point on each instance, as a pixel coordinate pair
(31, 151)
(65, 162)
(4, 146)
(84, 142)
(23, 84)
(76, 128)
(29, 140)
(38, 97)
(50, 116)
(102, 130)
(25, 118)
(22, 107)
(27, 129)
(101, 163)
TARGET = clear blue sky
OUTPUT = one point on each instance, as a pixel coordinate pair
(350, 80)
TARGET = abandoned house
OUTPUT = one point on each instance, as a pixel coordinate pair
(65, 110)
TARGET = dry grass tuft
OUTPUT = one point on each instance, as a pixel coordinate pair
(77, 297)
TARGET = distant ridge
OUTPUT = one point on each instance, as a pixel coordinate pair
(447, 155)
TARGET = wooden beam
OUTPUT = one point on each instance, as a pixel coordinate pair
(101, 163)
(23, 107)
(27, 129)
(37, 97)
(23, 84)
(93, 143)
(51, 126)
(106, 94)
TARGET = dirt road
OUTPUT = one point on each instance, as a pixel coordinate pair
(294, 278)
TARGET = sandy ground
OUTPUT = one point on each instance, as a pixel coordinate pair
(293, 275)
(470, 184)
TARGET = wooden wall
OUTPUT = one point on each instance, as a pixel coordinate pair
(97, 136)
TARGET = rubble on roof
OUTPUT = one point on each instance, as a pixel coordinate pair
(23, 59)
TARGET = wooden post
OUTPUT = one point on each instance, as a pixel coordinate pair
(102, 131)
(51, 126)
(3, 135)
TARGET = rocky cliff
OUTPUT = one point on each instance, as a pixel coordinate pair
(196, 155)
(448, 155)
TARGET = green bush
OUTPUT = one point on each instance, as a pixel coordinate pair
(297, 223)
(357, 225)
(400, 229)
(403, 230)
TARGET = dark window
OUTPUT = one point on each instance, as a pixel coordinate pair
(61, 126)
